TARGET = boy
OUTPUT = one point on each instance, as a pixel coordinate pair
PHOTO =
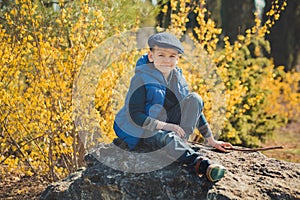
(160, 111)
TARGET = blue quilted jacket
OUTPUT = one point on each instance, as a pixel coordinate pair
(147, 76)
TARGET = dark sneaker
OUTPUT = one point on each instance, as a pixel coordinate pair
(215, 172)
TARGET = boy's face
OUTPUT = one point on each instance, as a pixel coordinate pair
(164, 59)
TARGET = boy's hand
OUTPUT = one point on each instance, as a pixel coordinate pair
(220, 145)
(170, 127)
(174, 127)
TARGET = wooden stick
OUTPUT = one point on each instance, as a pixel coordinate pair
(245, 149)
(255, 149)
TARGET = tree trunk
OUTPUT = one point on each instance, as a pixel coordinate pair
(237, 16)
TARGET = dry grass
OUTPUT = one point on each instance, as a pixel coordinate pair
(289, 138)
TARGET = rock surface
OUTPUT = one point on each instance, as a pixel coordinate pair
(248, 176)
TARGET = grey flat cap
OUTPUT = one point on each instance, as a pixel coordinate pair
(165, 40)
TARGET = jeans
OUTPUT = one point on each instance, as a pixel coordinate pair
(174, 146)
(189, 118)
(190, 114)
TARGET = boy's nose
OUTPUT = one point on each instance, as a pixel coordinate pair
(167, 60)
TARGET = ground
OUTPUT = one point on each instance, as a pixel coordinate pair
(288, 137)
(16, 187)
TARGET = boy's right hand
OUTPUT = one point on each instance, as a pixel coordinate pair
(171, 127)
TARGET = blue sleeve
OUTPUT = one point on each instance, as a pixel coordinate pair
(202, 120)
(137, 106)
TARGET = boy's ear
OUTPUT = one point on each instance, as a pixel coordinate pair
(150, 56)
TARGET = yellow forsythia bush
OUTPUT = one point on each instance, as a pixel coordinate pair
(38, 65)
(41, 52)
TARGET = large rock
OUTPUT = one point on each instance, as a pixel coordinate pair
(249, 176)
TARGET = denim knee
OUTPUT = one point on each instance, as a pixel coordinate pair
(196, 99)
(157, 140)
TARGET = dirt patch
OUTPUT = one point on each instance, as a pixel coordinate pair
(288, 137)
(17, 187)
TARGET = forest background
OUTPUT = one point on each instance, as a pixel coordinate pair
(44, 44)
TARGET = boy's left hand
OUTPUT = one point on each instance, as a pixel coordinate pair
(222, 146)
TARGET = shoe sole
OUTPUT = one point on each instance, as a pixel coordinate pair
(215, 172)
